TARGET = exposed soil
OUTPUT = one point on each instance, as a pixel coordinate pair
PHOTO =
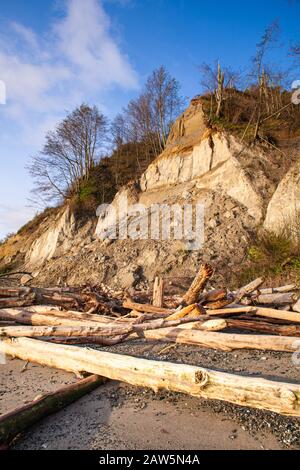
(119, 416)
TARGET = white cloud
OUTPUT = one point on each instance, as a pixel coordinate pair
(77, 57)
(85, 41)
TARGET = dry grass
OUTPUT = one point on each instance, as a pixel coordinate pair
(274, 255)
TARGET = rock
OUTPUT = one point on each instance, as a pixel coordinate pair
(212, 223)
(186, 195)
(127, 277)
(25, 279)
(35, 274)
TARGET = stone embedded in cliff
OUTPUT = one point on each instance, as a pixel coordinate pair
(284, 208)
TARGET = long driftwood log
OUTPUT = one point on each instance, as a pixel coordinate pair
(286, 315)
(263, 327)
(107, 329)
(13, 423)
(276, 298)
(223, 341)
(260, 393)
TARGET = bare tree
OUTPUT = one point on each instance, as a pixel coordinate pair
(263, 78)
(148, 118)
(69, 154)
(165, 102)
(217, 81)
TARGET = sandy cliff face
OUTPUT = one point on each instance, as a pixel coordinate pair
(208, 158)
(284, 208)
(199, 165)
(58, 235)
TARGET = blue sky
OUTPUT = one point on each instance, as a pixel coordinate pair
(54, 54)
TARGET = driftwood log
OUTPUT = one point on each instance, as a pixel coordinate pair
(107, 329)
(198, 284)
(213, 296)
(13, 423)
(158, 292)
(263, 327)
(222, 341)
(252, 286)
(276, 298)
(288, 316)
(279, 397)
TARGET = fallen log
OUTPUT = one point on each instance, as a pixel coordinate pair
(15, 422)
(61, 331)
(99, 340)
(236, 310)
(219, 303)
(293, 317)
(252, 286)
(108, 329)
(198, 284)
(14, 292)
(263, 327)
(189, 311)
(274, 290)
(16, 301)
(24, 315)
(37, 319)
(279, 397)
(212, 296)
(279, 314)
(276, 298)
(222, 341)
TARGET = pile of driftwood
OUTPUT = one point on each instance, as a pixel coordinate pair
(42, 325)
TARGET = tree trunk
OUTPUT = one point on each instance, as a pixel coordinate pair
(260, 393)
